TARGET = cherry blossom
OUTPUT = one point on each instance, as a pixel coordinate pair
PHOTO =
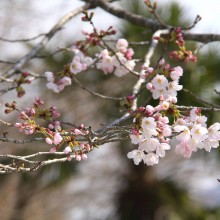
(67, 150)
(80, 62)
(136, 155)
(57, 138)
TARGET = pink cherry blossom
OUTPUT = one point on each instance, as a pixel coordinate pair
(57, 138)
(122, 45)
(159, 82)
(176, 73)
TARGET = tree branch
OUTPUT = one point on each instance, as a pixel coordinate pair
(34, 51)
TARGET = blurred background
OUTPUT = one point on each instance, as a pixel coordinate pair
(108, 186)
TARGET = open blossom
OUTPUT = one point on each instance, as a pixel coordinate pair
(136, 155)
(122, 45)
(148, 122)
(124, 69)
(58, 85)
(49, 76)
(149, 145)
(151, 159)
(149, 127)
(160, 151)
(176, 73)
(159, 82)
(198, 132)
(80, 62)
(135, 138)
(106, 62)
(120, 63)
(185, 132)
(214, 131)
(184, 149)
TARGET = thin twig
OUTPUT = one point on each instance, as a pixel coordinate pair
(22, 40)
(95, 93)
(201, 100)
(35, 50)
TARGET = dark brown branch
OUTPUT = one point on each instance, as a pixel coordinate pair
(203, 38)
(133, 18)
(152, 24)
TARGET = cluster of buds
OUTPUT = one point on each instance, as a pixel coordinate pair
(182, 53)
(53, 133)
(24, 79)
(10, 107)
(120, 63)
(74, 149)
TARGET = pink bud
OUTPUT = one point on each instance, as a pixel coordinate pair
(77, 131)
(48, 140)
(57, 138)
(78, 157)
(84, 156)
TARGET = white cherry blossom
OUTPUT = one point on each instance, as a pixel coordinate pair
(136, 155)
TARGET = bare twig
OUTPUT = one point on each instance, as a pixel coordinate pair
(202, 108)
(22, 40)
(128, 16)
(201, 100)
(152, 24)
(95, 93)
(35, 50)
(197, 19)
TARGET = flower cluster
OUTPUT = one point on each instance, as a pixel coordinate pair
(57, 85)
(53, 133)
(193, 134)
(182, 53)
(120, 63)
(57, 82)
(24, 79)
(80, 62)
(152, 136)
(164, 86)
(152, 131)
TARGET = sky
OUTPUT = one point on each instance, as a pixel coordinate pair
(208, 10)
